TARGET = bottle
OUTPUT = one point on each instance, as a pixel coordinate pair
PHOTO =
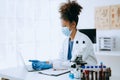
(101, 71)
(92, 72)
(71, 75)
(109, 70)
(87, 74)
(83, 76)
(103, 74)
(96, 75)
(107, 75)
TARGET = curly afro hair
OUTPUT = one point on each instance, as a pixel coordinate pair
(70, 11)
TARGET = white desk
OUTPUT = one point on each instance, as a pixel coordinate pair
(21, 74)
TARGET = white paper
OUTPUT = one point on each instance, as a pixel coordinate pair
(53, 72)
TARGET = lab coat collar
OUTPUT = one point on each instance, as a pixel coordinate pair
(74, 42)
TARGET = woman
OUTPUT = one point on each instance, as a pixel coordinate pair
(76, 42)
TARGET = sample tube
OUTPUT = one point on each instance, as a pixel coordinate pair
(109, 70)
(83, 77)
(96, 75)
(100, 75)
(92, 75)
(107, 75)
(87, 74)
(104, 75)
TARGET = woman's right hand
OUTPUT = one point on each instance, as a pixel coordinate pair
(40, 65)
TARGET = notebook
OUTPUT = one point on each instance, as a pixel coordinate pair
(52, 72)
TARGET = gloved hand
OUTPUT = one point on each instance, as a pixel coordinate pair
(40, 65)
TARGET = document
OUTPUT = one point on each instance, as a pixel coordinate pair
(52, 72)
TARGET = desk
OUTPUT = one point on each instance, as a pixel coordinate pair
(19, 73)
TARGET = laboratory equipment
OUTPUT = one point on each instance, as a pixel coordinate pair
(77, 71)
(96, 72)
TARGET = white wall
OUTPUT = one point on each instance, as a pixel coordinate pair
(29, 27)
(87, 15)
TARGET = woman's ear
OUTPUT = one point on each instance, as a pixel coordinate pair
(74, 24)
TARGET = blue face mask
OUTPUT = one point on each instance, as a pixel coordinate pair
(66, 31)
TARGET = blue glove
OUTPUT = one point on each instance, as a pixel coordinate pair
(40, 65)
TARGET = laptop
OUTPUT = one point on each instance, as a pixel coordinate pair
(27, 67)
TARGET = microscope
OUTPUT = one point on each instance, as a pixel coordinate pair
(76, 68)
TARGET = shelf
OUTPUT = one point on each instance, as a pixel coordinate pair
(108, 53)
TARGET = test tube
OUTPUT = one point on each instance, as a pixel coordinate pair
(83, 76)
(91, 75)
(100, 75)
(101, 69)
(104, 75)
(107, 75)
(87, 74)
(109, 70)
(97, 72)
(96, 75)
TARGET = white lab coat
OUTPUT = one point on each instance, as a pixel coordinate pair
(86, 50)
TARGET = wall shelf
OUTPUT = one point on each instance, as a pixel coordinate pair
(108, 53)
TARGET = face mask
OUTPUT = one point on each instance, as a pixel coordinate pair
(66, 31)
